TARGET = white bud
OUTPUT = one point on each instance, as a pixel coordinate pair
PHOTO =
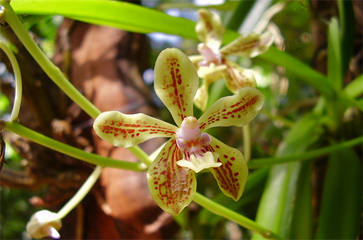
(44, 223)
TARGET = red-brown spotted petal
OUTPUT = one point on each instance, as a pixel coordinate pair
(176, 82)
(127, 130)
(250, 45)
(172, 187)
(210, 29)
(237, 77)
(232, 175)
(236, 110)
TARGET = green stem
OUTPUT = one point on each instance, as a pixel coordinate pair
(81, 193)
(141, 155)
(18, 83)
(72, 151)
(246, 130)
(286, 122)
(264, 162)
(49, 68)
(233, 216)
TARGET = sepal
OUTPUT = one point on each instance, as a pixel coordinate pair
(172, 187)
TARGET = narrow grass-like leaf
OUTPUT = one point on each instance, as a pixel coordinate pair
(347, 22)
(355, 87)
(300, 70)
(239, 14)
(335, 75)
(302, 217)
(122, 15)
(341, 201)
(277, 202)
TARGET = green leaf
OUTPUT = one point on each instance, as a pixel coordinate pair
(355, 87)
(335, 74)
(277, 202)
(239, 14)
(341, 201)
(127, 16)
(302, 224)
(300, 70)
(347, 22)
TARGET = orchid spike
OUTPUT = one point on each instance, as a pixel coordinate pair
(171, 177)
(213, 63)
(43, 224)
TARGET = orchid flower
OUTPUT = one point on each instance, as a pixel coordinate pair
(43, 224)
(213, 63)
(171, 176)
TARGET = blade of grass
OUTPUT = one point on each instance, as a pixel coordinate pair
(267, 162)
(301, 70)
(335, 74)
(239, 14)
(341, 201)
(355, 87)
(277, 202)
(127, 16)
(302, 224)
(347, 23)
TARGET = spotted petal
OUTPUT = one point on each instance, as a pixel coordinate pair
(171, 186)
(127, 130)
(236, 110)
(249, 45)
(237, 77)
(210, 29)
(232, 175)
(176, 82)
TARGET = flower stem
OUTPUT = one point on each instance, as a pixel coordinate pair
(72, 151)
(81, 193)
(246, 130)
(233, 216)
(264, 162)
(18, 83)
(49, 68)
(53, 71)
(141, 155)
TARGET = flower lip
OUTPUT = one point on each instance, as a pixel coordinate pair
(209, 55)
(189, 129)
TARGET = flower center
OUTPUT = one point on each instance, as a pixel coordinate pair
(209, 55)
(194, 145)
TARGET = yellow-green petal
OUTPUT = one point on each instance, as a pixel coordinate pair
(172, 187)
(249, 45)
(237, 77)
(232, 175)
(176, 82)
(236, 110)
(210, 29)
(127, 130)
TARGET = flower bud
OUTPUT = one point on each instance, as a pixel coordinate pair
(44, 223)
